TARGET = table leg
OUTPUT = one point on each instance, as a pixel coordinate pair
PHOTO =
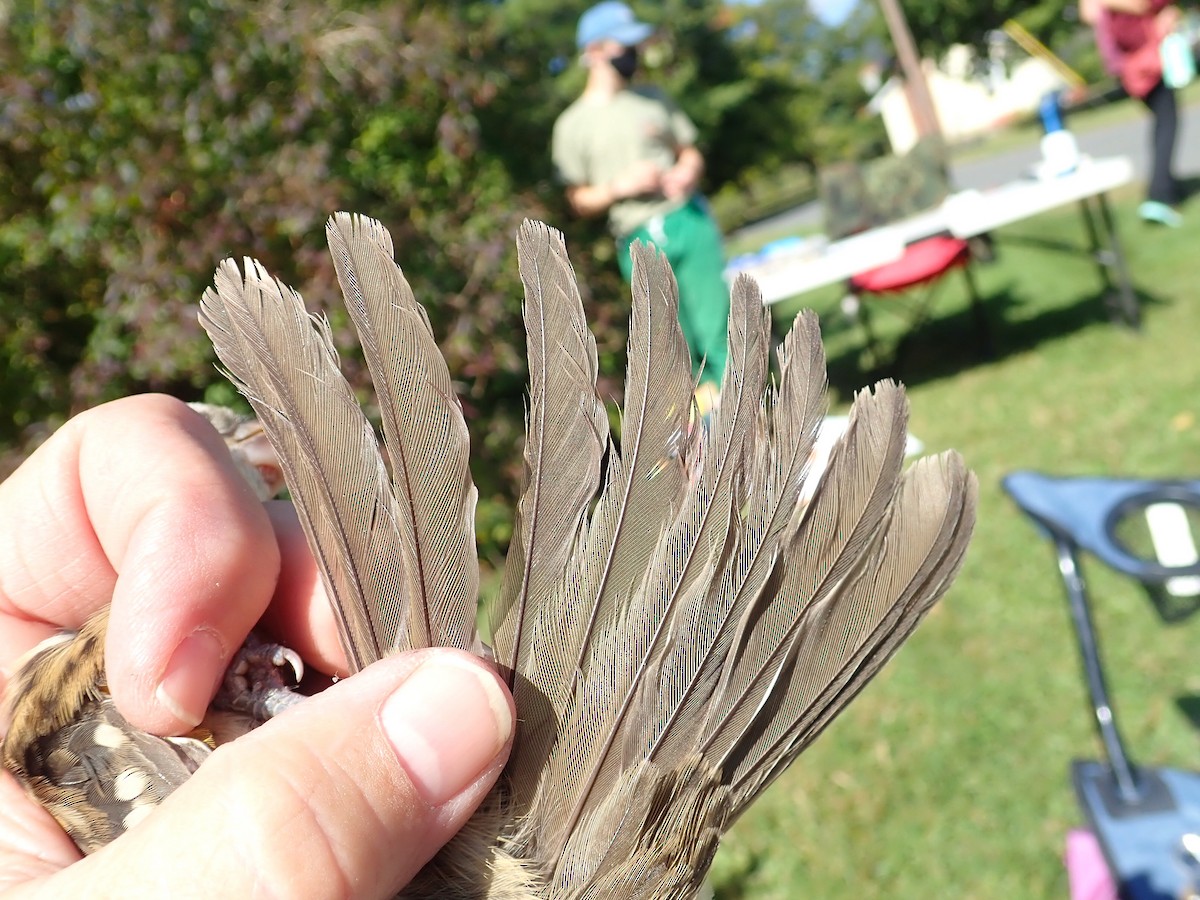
(983, 331)
(1129, 302)
(1109, 255)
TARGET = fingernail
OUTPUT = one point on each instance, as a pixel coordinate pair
(446, 723)
(185, 695)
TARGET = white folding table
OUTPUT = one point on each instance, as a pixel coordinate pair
(970, 213)
(815, 263)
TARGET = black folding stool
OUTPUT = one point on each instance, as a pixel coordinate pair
(1147, 819)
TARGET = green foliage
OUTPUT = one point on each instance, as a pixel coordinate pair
(936, 24)
(140, 143)
(807, 108)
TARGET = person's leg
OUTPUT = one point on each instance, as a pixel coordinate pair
(693, 247)
(1163, 188)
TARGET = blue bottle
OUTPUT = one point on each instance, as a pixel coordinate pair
(1060, 153)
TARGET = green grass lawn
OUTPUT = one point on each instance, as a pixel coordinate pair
(948, 776)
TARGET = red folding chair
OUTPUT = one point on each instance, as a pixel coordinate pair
(857, 197)
(922, 266)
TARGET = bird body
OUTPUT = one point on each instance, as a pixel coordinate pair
(681, 612)
(74, 751)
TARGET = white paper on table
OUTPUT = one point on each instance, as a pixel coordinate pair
(832, 428)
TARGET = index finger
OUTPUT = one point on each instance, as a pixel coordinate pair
(137, 502)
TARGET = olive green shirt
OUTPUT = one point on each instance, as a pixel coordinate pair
(595, 140)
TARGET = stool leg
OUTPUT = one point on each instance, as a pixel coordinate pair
(1085, 633)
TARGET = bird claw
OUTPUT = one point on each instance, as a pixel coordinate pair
(286, 657)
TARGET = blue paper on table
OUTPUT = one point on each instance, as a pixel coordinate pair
(743, 261)
(787, 246)
(782, 247)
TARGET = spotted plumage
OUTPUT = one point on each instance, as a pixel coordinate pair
(71, 747)
(74, 751)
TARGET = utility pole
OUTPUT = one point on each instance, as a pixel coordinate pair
(920, 101)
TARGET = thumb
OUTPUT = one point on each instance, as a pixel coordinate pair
(348, 794)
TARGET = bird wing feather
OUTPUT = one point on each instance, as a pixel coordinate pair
(750, 619)
(566, 436)
(603, 716)
(284, 362)
(643, 485)
(675, 641)
(425, 435)
(396, 550)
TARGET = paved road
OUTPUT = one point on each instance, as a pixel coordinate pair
(1128, 138)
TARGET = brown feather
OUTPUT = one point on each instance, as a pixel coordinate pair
(284, 362)
(426, 438)
(675, 633)
(567, 433)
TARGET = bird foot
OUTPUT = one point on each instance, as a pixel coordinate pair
(261, 680)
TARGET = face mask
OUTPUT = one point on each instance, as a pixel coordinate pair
(626, 63)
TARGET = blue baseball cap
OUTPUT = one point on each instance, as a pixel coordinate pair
(611, 20)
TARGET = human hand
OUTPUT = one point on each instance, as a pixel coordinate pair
(137, 502)
(641, 178)
(680, 181)
(1167, 20)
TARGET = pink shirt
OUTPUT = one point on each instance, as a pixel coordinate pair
(1130, 31)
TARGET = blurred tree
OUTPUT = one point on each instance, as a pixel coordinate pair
(936, 24)
(140, 143)
(820, 64)
(819, 111)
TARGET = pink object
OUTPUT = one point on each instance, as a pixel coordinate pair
(1087, 872)
(1106, 43)
(1131, 30)
(922, 261)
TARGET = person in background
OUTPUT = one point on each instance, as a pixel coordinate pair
(1128, 35)
(627, 151)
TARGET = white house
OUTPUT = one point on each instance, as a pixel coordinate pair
(966, 104)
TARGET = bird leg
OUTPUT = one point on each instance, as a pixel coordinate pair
(261, 680)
